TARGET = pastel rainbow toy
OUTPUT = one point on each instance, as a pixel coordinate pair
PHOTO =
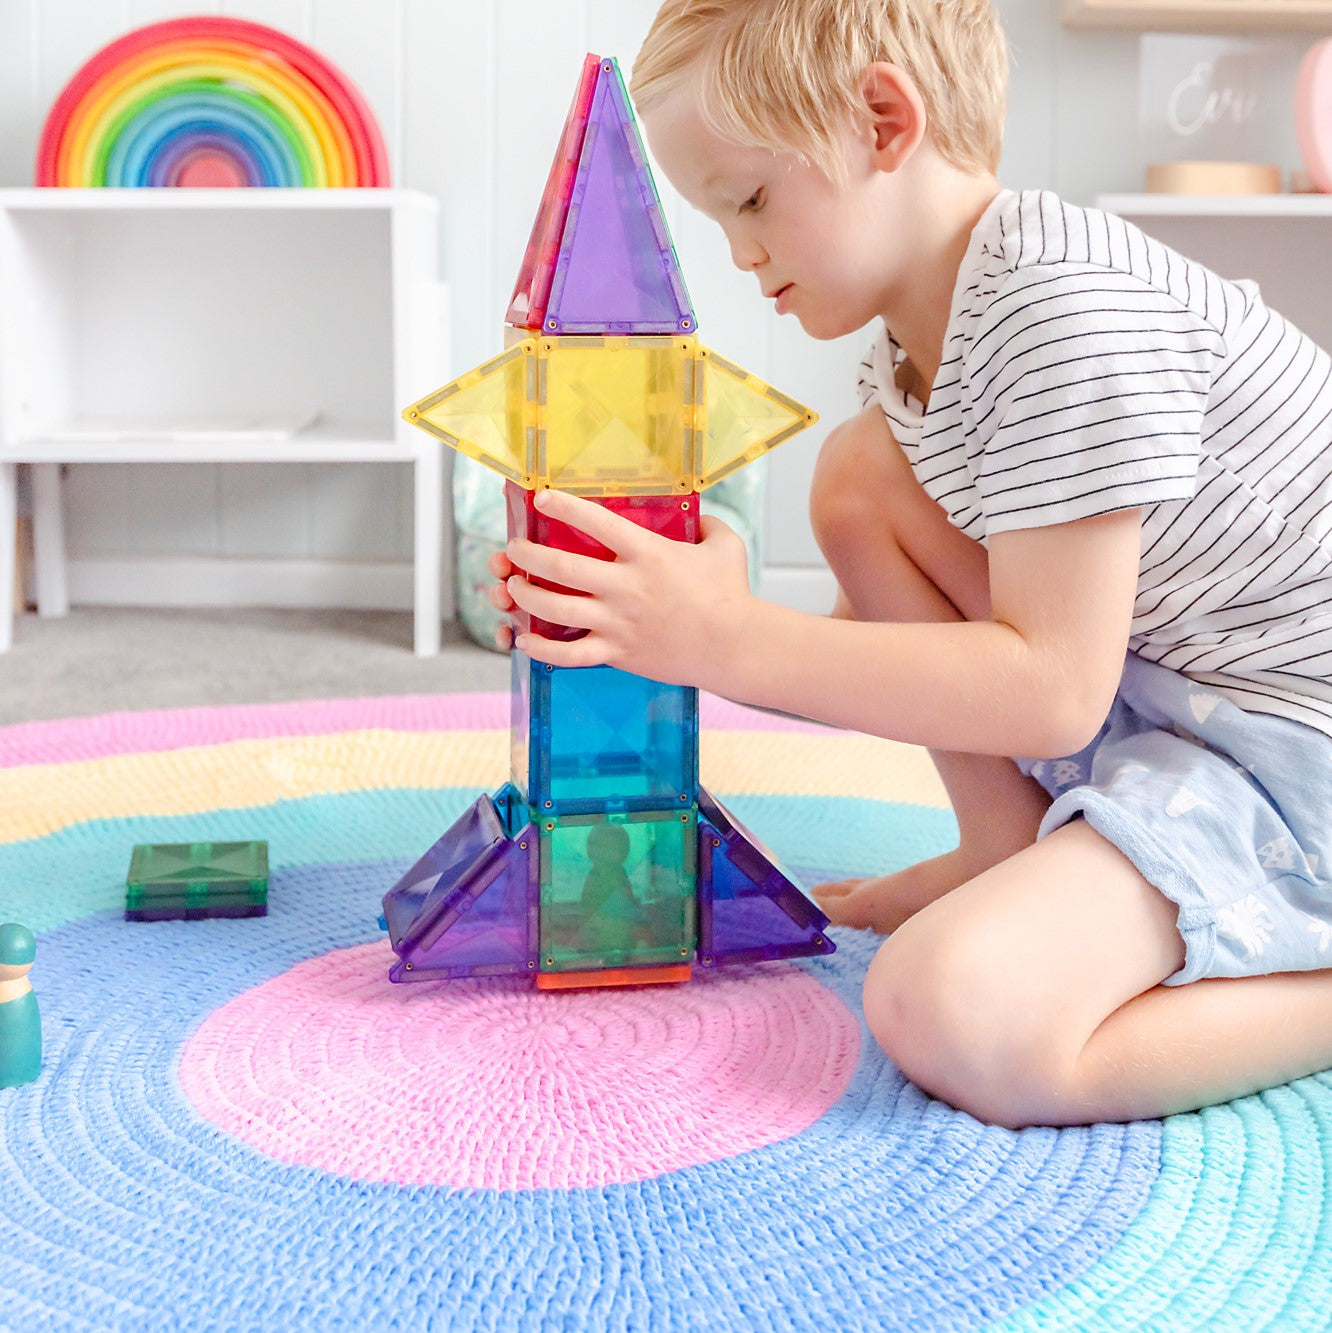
(210, 101)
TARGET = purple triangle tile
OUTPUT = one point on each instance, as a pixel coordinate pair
(750, 910)
(617, 271)
(469, 906)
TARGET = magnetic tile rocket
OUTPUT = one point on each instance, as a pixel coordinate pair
(602, 861)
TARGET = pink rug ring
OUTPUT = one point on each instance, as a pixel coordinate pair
(494, 1085)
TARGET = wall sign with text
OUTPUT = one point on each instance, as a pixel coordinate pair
(1205, 97)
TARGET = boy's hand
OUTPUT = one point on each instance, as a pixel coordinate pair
(501, 567)
(664, 609)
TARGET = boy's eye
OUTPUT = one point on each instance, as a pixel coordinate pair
(754, 202)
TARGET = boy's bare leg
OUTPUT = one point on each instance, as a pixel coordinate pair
(897, 558)
(998, 811)
(1030, 996)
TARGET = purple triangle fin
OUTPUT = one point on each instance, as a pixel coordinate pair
(469, 906)
(750, 910)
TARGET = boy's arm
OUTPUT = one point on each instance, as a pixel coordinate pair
(1035, 680)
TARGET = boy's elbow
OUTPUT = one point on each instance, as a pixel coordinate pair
(1054, 739)
(1072, 695)
(1067, 724)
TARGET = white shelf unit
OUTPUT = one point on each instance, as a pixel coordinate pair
(1271, 207)
(218, 326)
(1283, 242)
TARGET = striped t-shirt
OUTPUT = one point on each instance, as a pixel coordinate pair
(1086, 369)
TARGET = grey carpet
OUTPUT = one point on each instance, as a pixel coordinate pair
(100, 659)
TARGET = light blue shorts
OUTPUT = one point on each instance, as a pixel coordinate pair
(1228, 813)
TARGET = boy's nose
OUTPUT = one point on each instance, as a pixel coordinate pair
(746, 254)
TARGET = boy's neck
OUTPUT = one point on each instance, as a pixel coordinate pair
(953, 203)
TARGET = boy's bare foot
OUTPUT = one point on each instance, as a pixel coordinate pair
(882, 903)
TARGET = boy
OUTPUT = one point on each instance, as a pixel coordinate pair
(1075, 443)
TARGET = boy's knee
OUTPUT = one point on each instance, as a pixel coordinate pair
(938, 1006)
(843, 495)
(915, 1000)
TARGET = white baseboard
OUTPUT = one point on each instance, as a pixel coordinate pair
(349, 584)
(799, 588)
(202, 581)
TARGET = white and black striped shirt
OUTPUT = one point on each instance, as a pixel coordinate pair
(1086, 369)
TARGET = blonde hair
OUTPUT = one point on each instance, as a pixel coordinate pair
(785, 74)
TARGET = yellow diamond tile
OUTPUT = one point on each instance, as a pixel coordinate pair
(742, 417)
(613, 415)
(489, 413)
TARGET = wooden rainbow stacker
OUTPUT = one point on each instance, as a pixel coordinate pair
(602, 861)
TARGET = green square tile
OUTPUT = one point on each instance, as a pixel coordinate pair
(197, 877)
(217, 863)
(198, 894)
(618, 891)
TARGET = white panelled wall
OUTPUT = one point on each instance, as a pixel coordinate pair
(471, 95)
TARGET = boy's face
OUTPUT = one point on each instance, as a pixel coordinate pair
(818, 249)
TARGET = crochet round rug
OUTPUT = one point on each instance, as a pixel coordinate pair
(241, 1123)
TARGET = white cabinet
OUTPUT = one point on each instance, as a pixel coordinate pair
(154, 326)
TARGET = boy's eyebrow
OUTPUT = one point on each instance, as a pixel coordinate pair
(719, 183)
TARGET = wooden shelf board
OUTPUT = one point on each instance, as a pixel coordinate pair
(1201, 15)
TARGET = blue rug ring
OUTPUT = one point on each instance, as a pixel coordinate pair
(122, 1206)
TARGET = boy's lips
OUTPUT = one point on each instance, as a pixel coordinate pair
(780, 295)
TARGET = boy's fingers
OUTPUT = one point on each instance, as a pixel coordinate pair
(609, 529)
(584, 572)
(499, 564)
(590, 650)
(712, 526)
(558, 608)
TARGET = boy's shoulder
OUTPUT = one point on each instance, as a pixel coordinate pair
(1037, 229)
(1040, 270)
(1032, 245)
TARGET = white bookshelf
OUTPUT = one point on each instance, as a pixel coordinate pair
(1271, 207)
(218, 326)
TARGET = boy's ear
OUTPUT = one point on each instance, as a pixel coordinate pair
(894, 114)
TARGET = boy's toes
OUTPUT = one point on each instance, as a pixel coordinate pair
(840, 902)
(833, 890)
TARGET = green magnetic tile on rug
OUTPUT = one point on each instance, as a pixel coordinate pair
(195, 879)
(195, 896)
(77, 871)
(618, 892)
(73, 873)
(172, 865)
